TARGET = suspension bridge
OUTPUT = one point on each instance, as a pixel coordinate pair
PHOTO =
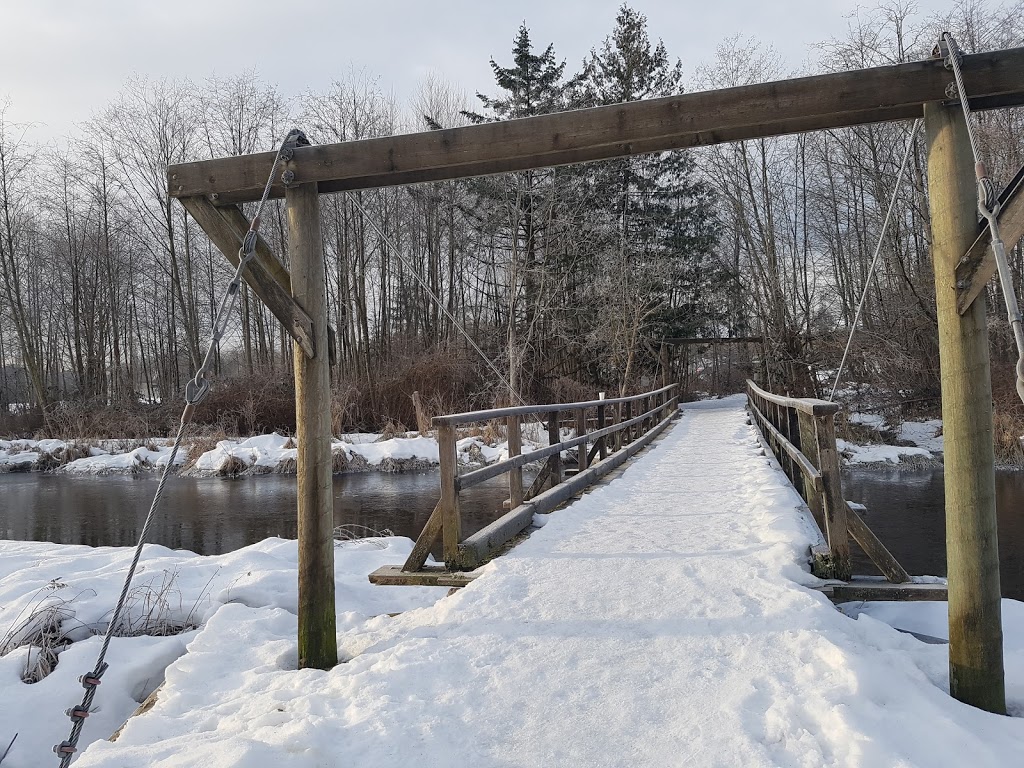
(708, 564)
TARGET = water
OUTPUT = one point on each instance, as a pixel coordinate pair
(215, 515)
(906, 511)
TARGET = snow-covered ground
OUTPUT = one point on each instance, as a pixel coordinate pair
(664, 619)
(923, 442)
(255, 455)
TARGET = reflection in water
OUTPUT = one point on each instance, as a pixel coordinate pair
(906, 511)
(214, 515)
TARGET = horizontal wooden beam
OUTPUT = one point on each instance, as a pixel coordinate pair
(865, 588)
(429, 576)
(693, 119)
(978, 264)
(226, 227)
(713, 340)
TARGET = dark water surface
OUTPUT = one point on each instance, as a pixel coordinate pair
(906, 511)
(215, 515)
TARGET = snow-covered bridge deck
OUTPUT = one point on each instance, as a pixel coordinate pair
(663, 619)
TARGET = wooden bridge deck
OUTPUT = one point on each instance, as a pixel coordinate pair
(659, 620)
(665, 618)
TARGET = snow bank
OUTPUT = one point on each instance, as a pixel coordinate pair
(257, 580)
(924, 439)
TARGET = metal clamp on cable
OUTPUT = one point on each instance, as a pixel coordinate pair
(92, 679)
(197, 389)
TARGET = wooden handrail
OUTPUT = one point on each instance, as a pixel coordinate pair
(801, 434)
(802, 404)
(809, 470)
(456, 419)
(548, 490)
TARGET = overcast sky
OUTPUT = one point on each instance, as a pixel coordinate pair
(62, 60)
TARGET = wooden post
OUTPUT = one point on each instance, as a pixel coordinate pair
(515, 475)
(318, 644)
(451, 517)
(581, 430)
(602, 441)
(972, 560)
(555, 461)
(628, 432)
(833, 501)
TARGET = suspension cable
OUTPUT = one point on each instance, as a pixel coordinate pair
(878, 251)
(988, 207)
(196, 389)
(436, 299)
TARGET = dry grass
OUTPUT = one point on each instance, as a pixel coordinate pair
(42, 628)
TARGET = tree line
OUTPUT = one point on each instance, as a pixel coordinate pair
(568, 279)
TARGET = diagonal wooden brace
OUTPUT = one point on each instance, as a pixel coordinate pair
(226, 227)
(978, 264)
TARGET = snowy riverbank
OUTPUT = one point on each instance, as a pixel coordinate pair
(262, 454)
(667, 618)
(919, 442)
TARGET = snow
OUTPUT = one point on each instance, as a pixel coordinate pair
(879, 454)
(925, 438)
(665, 618)
(259, 579)
(100, 463)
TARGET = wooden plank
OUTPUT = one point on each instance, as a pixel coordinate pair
(392, 575)
(746, 112)
(804, 404)
(978, 265)
(265, 274)
(468, 417)
(451, 516)
(318, 645)
(872, 547)
(859, 589)
(807, 468)
(972, 556)
(424, 542)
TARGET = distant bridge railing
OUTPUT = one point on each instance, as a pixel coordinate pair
(606, 433)
(801, 433)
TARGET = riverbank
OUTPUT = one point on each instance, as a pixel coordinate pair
(262, 454)
(668, 617)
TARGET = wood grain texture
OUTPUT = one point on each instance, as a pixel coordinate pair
(978, 265)
(693, 119)
(318, 646)
(975, 627)
(269, 280)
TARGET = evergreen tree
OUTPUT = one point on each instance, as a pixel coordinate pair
(523, 216)
(662, 227)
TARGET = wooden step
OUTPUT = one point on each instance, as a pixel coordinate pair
(428, 576)
(876, 588)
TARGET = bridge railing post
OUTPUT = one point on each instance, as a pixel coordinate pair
(451, 517)
(832, 495)
(627, 438)
(808, 442)
(514, 436)
(555, 461)
(581, 430)
(602, 441)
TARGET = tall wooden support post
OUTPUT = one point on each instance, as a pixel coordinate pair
(975, 624)
(318, 643)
